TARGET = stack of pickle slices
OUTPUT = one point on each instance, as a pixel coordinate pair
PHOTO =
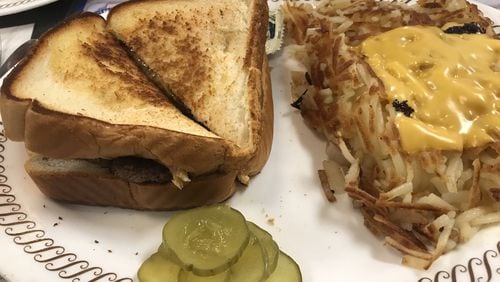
(216, 243)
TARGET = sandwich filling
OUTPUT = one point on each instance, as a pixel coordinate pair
(452, 82)
(137, 170)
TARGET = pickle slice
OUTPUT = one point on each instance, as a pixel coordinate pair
(287, 270)
(206, 240)
(157, 268)
(166, 252)
(251, 267)
(188, 276)
(271, 248)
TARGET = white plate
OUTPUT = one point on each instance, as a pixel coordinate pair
(328, 240)
(8, 7)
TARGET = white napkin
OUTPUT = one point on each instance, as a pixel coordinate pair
(101, 6)
(13, 37)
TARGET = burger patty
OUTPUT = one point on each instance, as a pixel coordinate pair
(136, 170)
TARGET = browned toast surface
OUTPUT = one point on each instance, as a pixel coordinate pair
(204, 53)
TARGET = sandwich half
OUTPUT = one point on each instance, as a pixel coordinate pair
(208, 56)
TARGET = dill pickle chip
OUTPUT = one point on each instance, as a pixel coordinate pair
(206, 240)
(157, 268)
(251, 267)
(271, 248)
(287, 270)
(188, 276)
(166, 253)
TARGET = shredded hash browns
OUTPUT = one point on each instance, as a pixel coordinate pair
(422, 204)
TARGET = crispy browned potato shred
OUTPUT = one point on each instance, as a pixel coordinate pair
(422, 204)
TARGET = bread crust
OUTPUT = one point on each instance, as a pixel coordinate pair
(13, 111)
(266, 126)
(92, 138)
(252, 159)
(257, 39)
(104, 189)
(263, 130)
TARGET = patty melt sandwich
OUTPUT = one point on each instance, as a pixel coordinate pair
(173, 127)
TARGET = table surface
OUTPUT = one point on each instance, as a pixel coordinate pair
(34, 22)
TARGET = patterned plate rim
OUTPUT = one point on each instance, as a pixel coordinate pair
(24, 232)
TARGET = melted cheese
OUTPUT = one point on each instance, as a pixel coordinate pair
(451, 81)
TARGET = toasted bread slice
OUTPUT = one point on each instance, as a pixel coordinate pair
(208, 54)
(78, 95)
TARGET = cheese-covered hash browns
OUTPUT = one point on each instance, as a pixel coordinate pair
(422, 197)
